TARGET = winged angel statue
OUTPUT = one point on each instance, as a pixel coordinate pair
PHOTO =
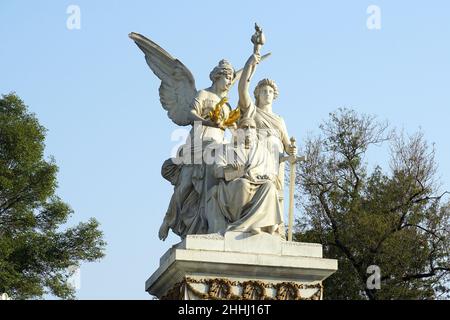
(209, 113)
(226, 195)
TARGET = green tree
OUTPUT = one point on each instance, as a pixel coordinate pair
(395, 219)
(36, 255)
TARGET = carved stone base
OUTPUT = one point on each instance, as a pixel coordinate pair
(228, 289)
(241, 266)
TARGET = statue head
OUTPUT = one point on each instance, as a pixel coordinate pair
(222, 75)
(265, 92)
(247, 127)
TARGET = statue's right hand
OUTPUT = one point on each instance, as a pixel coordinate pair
(254, 59)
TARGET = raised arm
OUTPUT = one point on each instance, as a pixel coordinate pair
(244, 82)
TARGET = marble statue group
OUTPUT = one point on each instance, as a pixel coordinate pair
(222, 184)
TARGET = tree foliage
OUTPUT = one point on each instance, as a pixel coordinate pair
(36, 255)
(395, 219)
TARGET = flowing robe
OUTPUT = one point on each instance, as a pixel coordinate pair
(269, 125)
(272, 128)
(191, 176)
(248, 202)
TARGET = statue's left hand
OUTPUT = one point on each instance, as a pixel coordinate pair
(292, 150)
(163, 231)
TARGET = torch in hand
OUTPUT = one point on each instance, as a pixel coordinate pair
(258, 39)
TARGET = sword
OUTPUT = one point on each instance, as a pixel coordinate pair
(292, 159)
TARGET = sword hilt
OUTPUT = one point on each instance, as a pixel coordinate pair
(293, 158)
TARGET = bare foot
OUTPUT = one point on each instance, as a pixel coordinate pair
(256, 231)
(163, 231)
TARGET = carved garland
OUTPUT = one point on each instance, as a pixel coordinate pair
(220, 289)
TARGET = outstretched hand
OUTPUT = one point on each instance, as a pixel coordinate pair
(254, 59)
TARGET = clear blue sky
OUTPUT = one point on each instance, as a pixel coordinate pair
(93, 91)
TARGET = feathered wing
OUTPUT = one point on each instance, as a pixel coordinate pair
(177, 89)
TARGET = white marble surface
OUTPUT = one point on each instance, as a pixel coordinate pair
(240, 256)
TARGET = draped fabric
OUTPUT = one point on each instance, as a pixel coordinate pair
(191, 176)
(249, 202)
(269, 125)
(271, 128)
(203, 203)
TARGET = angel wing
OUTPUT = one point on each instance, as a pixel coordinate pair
(177, 89)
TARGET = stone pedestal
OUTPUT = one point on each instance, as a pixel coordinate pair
(240, 266)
